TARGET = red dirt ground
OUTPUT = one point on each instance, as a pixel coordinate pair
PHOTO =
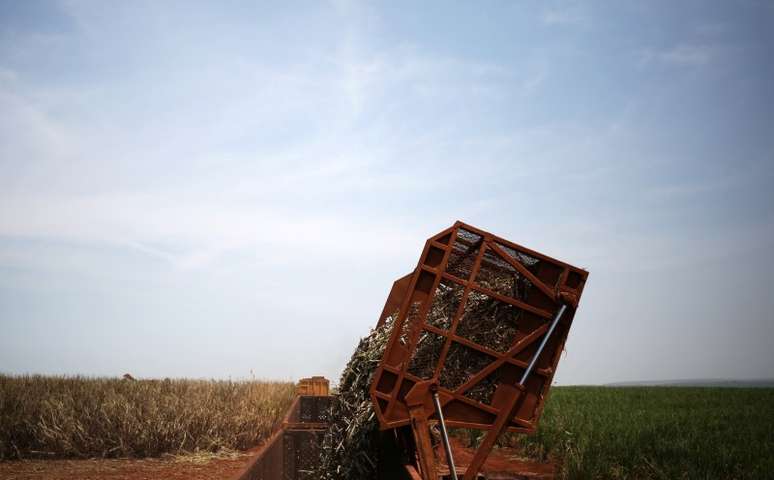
(501, 463)
(122, 469)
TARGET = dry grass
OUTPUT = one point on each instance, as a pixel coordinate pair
(103, 417)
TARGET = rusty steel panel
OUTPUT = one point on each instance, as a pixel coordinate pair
(293, 452)
(395, 298)
(477, 357)
(267, 465)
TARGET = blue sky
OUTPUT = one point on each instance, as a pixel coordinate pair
(229, 189)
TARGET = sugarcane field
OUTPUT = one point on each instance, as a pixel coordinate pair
(368, 240)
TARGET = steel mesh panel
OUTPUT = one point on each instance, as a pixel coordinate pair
(489, 322)
(467, 236)
(484, 390)
(307, 452)
(461, 364)
(289, 456)
(501, 277)
(426, 355)
(523, 258)
(314, 409)
(463, 254)
(307, 409)
(324, 409)
(446, 300)
(412, 319)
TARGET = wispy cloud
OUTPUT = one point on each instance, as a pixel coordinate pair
(690, 55)
(190, 175)
(683, 55)
(711, 29)
(572, 15)
(7, 75)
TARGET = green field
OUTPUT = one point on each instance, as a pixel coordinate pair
(656, 432)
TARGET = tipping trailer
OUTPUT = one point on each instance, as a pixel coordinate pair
(477, 330)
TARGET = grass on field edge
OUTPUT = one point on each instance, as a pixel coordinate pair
(653, 433)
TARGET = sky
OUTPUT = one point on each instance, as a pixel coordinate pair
(229, 189)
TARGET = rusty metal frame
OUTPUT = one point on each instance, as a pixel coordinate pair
(552, 283)
(290, 452)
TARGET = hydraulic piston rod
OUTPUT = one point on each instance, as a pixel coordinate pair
(444, 433)
(542, 345)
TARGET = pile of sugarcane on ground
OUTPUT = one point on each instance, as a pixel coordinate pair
(349, 449)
